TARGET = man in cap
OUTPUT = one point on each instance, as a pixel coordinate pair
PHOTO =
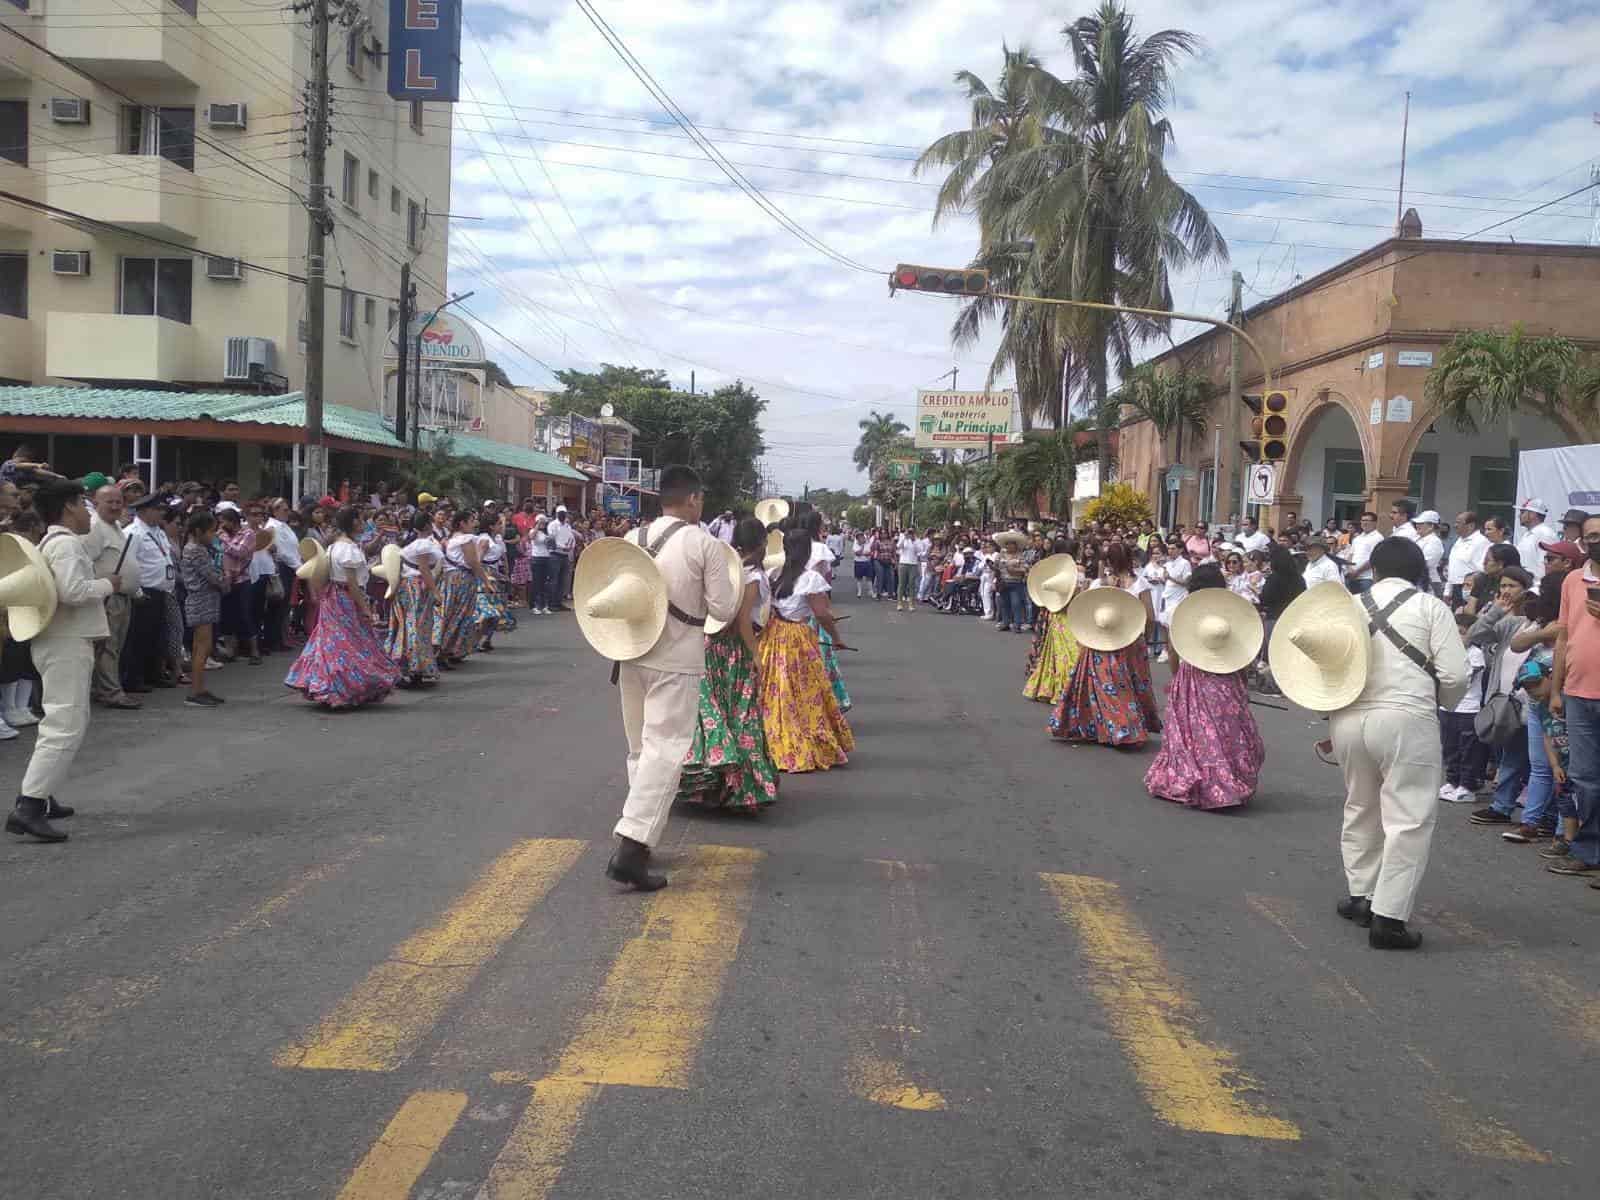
(1534, 532)
(660, 691)
(1387, 743)
(150, 554)
(562, 540)
(1559, 558)
(63, 654)
(1321, 567)
(1432, 547)
(106, 544)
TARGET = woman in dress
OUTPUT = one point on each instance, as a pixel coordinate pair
(344, 665)
(202, 602)
(1109, 698)
(821, 561)
(728, 765)
(492, 610)
(411, 612)
(1211, 750)
(806, 730)
(1055, 650)
(455, 618)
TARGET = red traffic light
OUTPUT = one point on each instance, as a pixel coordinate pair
(906, 277)
(951, 281)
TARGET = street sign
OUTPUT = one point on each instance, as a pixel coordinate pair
(1262, 485)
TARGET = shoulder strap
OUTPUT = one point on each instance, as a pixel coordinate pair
(1378, 622)
(653, 548)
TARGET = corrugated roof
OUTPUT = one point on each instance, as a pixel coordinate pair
(289, 409)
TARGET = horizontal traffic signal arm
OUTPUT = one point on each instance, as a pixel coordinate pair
(947, 281)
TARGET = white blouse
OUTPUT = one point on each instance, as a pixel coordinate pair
(453, 550)
(422, 554)
(349, 563)
(763, 612)
(796, 606)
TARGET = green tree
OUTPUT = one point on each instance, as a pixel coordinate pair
(466, 480)
(586, 391)
(861, 516)
(1172, 401)
(1491, 378)
(880, 434)
(1045, 464)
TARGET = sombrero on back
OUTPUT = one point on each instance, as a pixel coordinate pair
(1321, 649)
(388, 570)
(619, 598)
(736, 573)
(772, 510)
(315, 565)
(1217, 631)
(1052, 580)
(1106, 618)
(27, 588)
(774, 556)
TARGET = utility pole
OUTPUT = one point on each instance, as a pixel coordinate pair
(318, 225)
(1235, 396)
(402, 323)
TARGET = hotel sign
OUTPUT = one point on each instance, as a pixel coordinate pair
(425, 50)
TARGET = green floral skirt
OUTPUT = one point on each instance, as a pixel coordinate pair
(727, 765)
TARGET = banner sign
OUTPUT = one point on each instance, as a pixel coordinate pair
(962, 420)
(425, 50)
(619, 503)
(447, 339)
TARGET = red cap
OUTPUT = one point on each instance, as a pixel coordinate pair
(1566, 549)
(327, 502)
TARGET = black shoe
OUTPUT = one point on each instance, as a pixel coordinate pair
(202, 700)
(1490, 816)
(28, 820)
(138, 689)
(1357, 909)
(1388, 934)
(57, 812)
(629, 864)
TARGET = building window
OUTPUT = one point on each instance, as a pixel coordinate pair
(157, 287)
(1492, 488)
(350, 182)
(354, 59)
(390, 316)
(14, 285)
(370, 310)
(414, 225)
(1208, 483)
(347, 313)
(372, 184)
(168, 132)
(192, 7)
(416, 115)
(394, 200)
(14, 131)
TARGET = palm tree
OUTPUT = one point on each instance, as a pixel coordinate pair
(1489, 378)
(1172, 401)
(1112, 224)
(1046, 463)
(879, 433)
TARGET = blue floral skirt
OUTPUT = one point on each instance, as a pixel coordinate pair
(343, 664)
(410, 641)
(455, 617)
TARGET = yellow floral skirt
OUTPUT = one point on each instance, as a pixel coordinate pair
(806, 731)
(1051, 668)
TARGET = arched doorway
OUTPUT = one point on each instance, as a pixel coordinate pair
(1327, 469)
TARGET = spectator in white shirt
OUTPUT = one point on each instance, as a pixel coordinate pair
(1400, 514)
(1466, 556)
(1358, 572)
(1321, 567)
(1253, 538)
(150, 556)
(1535, 533)
(905, 596)
(562, 540)
(1432, 548)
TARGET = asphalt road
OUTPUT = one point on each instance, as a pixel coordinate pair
(288, 954)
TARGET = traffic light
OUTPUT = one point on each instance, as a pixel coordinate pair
(1269, 427)
(949, 281)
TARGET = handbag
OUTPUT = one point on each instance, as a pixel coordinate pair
(1499, 720)
(274, 587)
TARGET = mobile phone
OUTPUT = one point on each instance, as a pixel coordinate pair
(1594, 595)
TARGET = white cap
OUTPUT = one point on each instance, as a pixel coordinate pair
(561, 508)
(227, 506)
(1534, 505)
(1427, 518)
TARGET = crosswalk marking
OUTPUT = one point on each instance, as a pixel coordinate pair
(381, 1022)
(406, 1146)
(648, 1020)
(1190, 1083)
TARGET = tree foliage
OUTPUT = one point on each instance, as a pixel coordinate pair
(1122, 503)
(1490, 378)
(1174, 402)
(1045, 464)
(881, 433)
(468, 481)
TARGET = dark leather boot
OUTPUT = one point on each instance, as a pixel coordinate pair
(1357, 909)
(630, 864)
(1388, 934)
(28, 820)
(56, 811)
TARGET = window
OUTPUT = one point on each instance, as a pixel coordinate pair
(370, 310)
(1208, 483)
(1492, 488)
(347, 313)
(372, 184)
(14, 285)
(394, 200)
(14, 131)
(160, 287)
(416, 115)
(354, 58)
(414, 225)
(350, 182)
(390, 316)
(168, 132)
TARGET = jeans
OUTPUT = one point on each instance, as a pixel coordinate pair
(539, 581)
(885, 579)
(1358, 586)
(1012, 604)
(1537, 809)
(908, 583)
(1583, 747)
(560, 579)
(1513, 775)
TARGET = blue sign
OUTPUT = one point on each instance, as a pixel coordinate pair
(425, 50)
(619, 503)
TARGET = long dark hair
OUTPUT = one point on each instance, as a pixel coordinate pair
(796, 553)
(749, 534)
(1206, 575)
(1118, 559)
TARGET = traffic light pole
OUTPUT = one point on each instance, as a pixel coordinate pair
(318, 224)
(1235, 399)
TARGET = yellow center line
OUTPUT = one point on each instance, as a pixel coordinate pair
(382, 1021)
(404, 1149)
(1190, 1083)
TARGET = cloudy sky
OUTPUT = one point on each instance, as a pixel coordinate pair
(607, 236)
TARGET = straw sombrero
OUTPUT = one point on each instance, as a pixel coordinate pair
(27, 588)
(263, 539)
(1217, 631)
(1051, 581)
(620, 598)
(1010, 537)
(1321, 649)
(774, 555)
(388, 569)
(736, 573)
(772, 510)
(315, 565)
(1106, 618)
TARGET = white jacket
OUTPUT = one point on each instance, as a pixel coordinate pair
(80, 597)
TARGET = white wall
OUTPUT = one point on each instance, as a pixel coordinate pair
(1456, 450)
(1334, 431)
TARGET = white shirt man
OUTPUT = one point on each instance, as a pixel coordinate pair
(1359, 570)
(1320, 565)
(722, 528)
(285, 546)
(562, 535)
(105, 543)
(1432, 546)
(1254, 539)
(1532, 536)
(1467, 552)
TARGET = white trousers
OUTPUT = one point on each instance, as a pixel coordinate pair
(659, 711)
(65, 666)
(1393, 767)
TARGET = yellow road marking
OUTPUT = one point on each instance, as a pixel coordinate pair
(402, 1152)
(884, 1081)
(379, 1024)
(1472, 1132)
(648, 1019)
(1190, 1083)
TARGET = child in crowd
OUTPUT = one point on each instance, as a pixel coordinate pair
(1534, 678)
(1464, 755)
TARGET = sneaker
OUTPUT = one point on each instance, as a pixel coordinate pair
(20, 717)
(1558, 848)
(1524, 833)
(202, 700)
(1573, 866)
(1447, 793)
(1463, 795)
(214, 665)
(6, 732)
(1489, 816)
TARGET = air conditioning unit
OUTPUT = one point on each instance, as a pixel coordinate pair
(246, 357)
(223, 268)
(69, 262)
(226, 116)
(69, 110)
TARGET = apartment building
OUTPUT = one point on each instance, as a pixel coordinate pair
(185, 127)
